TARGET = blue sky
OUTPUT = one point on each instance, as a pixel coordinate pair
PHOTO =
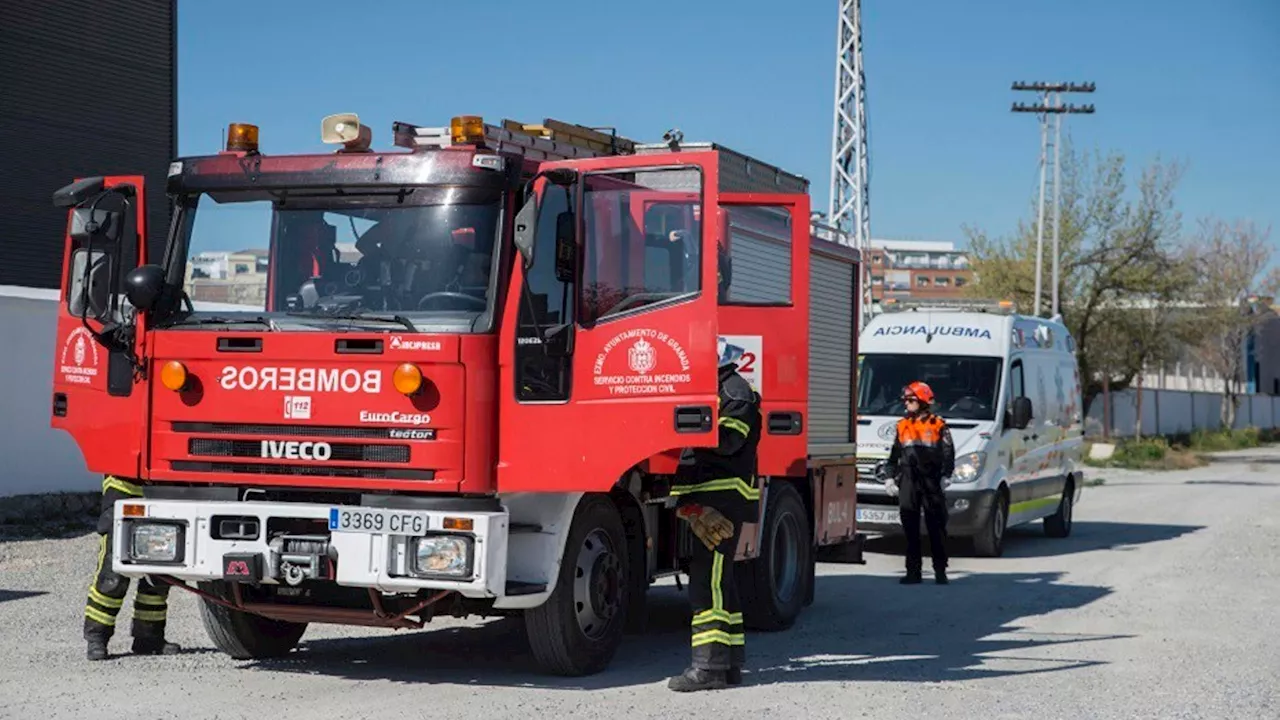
(1196, 82)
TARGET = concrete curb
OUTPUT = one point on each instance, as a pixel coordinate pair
(28, 510)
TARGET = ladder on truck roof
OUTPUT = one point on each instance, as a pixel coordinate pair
(558, 140)
(550, 140)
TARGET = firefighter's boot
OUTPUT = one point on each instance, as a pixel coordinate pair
(733, 676)
(154, 646)
(97, 649)
(695, 679)
(911, 578)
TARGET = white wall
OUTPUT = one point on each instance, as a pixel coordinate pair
(1171, 412)
(35, 457)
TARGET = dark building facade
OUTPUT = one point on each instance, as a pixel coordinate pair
(87, 87)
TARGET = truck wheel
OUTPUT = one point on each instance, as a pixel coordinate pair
(989, 542)
(242, 635)
(1058, 525)
(773, 587)
(579, 628)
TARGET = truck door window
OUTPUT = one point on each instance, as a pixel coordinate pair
(547, 302)
(642, 240)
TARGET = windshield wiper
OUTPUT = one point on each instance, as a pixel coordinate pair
(375, 317)
(220, 320)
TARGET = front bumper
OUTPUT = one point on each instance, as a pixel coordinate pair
(380, 560)
(967, 511)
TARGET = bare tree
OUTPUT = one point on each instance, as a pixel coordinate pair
(1230, 261)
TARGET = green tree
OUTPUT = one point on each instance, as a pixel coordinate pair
(1120, 267)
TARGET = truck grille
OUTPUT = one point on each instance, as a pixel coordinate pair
(206, 452)
(303, 470)
(351, 452)
(199, 428)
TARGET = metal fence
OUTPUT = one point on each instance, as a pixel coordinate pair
(1174, 412)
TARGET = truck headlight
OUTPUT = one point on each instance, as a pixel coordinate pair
(442, 555)
(155, 542)
(969, 467)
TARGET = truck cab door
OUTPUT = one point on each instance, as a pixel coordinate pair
(608, 343)
(97, 397)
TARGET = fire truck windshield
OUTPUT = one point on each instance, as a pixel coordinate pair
(423, 253)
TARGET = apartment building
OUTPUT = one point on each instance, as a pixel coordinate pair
(918, 269)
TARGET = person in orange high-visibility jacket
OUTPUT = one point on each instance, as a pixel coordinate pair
(715, 491)
(922, 459)
(107, 590)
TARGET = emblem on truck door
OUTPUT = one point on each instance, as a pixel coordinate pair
(642, 357)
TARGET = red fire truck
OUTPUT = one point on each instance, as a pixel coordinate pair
(453, 378)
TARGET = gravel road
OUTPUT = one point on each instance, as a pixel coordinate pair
(1162, 604)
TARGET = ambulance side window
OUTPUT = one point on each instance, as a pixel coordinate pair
(547, 302)
(1017, 386)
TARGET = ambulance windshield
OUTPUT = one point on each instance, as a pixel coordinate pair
(966, 388)
(421, 253)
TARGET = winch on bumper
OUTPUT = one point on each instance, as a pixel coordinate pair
(388, 549)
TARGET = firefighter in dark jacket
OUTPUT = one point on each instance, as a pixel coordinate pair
(107, 591)
(716, 493)
(922, 461)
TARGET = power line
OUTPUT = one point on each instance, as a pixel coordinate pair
(1051, 104)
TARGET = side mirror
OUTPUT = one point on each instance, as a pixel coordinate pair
(143, 286)
(557, 340)
(566, 248)
(1021, 412)
(526, 231)
(96, 225)
(94, 293)
(77, 192)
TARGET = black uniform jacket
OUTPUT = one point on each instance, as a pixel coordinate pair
(724, 476)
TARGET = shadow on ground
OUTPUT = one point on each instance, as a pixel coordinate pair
(48, 530)
(1029, 541)
(7, 595)
(860, 627)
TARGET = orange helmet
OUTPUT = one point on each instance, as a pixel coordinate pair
(919, 391)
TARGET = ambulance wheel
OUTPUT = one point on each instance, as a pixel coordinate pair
(578, 629)
(1058, 525)
(774, 586)
(242, 635)
(989, 542)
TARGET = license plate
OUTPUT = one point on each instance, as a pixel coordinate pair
(378, 521)
(876, 515)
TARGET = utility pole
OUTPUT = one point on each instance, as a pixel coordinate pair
(1050, 104)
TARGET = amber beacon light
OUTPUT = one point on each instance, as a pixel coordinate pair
(174, 376)
(242, 137)
(407, 378)
(467, 129)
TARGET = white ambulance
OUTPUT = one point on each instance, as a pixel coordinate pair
(1009, 388)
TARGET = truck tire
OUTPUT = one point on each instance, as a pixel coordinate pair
(578, 629)
(773, 586)
(242, 635)
(989, 542)
(1058, 525)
